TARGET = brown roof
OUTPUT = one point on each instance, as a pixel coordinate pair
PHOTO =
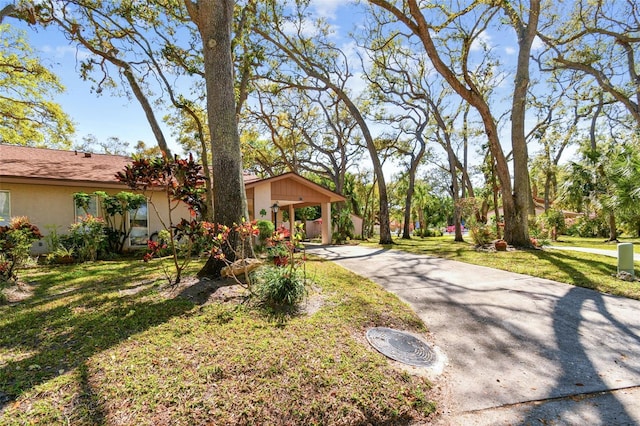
(39, 163)
(22, 162)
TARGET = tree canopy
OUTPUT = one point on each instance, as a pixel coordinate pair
(28, 116)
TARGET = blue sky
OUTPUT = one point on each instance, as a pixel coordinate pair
(103, 116)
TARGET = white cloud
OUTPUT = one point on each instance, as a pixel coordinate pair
(327, 8)
(510, 50)
(64, 51)
(537, 44)
(482, 39)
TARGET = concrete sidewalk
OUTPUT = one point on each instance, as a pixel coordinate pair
(521, 350)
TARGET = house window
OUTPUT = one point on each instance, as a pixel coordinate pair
(92, 208)
(139, 225)
(5, 208)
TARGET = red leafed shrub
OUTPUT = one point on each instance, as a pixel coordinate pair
(15, 244)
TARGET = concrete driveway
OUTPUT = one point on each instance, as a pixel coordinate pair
(521, 350)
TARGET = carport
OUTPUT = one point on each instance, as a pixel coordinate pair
(268, 198)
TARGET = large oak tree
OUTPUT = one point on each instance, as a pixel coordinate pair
(425, 21)
(214, 19)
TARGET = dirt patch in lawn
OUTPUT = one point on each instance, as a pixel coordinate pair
(314, 301)
(17, 293)
(203, 291)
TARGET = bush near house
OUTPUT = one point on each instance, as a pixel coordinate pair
(116, 207)
(15, 243)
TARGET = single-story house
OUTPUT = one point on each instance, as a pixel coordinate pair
(39, 183)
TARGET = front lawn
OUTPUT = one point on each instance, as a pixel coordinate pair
(597, 243)
(100, 343)
(577, 268)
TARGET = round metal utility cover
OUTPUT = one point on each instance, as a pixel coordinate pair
(401, 346)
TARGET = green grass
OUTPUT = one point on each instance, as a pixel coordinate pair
(571, 267)
(597, 243)
(100, 344)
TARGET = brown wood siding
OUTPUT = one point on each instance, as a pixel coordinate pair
(250, 202)
(294, 191)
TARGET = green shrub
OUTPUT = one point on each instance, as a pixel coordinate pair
(266, 230)
(52, 239)
(280, 286)
(87, 237)
(589, 227)
(344, 228)
(428, 232)
(549, 224)
(481, 234)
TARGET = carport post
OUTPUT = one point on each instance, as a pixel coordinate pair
(625, 258)
(326, 223)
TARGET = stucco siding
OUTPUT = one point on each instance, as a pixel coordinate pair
(52, 206)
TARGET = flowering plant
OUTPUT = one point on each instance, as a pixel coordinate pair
(283, 285)
(222, 238)
(282, 243)
(15, 243)
(154, 248)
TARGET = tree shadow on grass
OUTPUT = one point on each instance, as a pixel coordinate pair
(606, 266)
(64, 324)
(88, 404)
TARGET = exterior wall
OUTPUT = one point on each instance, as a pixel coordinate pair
(261, 200)
(358, 223)
(314, 227)
(314, 230)
(52, 206)
(250, 201)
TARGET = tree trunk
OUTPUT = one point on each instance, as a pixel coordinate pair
(613, 232)
(415, 160)
(547, 189)
(146, 107)
(214, 20)
(455, 190)
(406, 231)
(454, 164)
(519, 235)
(383, 217)
(421, 217)
(496, 208)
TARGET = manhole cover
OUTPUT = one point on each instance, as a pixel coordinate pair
(401, 346)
